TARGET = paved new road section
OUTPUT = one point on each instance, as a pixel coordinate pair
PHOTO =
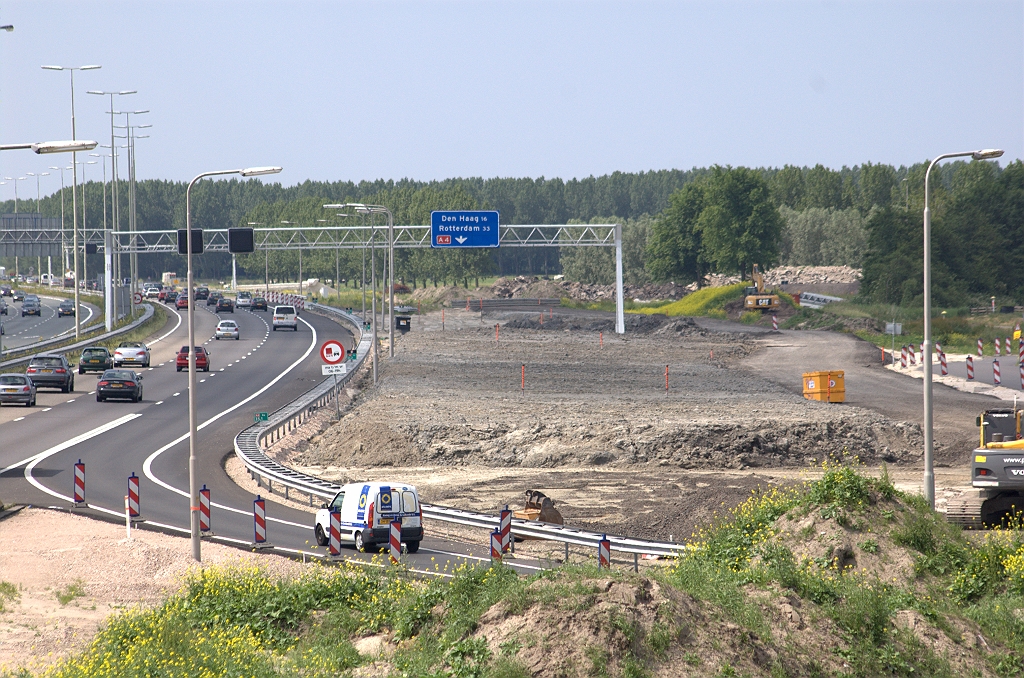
(262, 371)
(22, 331)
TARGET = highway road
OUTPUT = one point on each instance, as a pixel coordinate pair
(22, 331)
(262, 371)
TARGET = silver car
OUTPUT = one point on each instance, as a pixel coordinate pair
(226, 329)
(131, 353)
(17, 388)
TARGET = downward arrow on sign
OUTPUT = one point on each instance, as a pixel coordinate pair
(461, 239)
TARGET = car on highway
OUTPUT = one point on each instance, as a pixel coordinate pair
(202, 359)
(17, 388)
(51, 370)
(226, 329)
(153, 292)
(131, 352)
(243, 299)
(31, 307)
(5, 291)
(3, 307)
(18, 295)
(202, 293)
(163, 294)
(181, 301)
(95, 359)
(285, 316)
(225, 305)
(67, 307)
(119, 384)
(214, 296)
(258, 304)
(367, 510)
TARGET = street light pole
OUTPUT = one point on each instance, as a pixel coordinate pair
(193, 478)
(926, 346)
(15, 180)
(74, 180)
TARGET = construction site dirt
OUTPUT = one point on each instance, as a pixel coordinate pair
(560, 403)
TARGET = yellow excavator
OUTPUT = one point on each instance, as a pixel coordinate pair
(756, 299)
(997, 474)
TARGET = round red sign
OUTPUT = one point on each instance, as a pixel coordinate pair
(332, 352)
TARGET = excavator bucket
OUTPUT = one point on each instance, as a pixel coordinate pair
(539, 507)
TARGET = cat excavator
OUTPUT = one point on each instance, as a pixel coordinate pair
(757, 299)
(997, 474)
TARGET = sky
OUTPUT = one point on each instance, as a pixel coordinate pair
(431, 90)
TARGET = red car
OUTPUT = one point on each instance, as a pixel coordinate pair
(182, 301)
(202, 359)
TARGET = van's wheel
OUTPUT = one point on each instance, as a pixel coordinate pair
(412, 546)
(321, 538)
(360, 546)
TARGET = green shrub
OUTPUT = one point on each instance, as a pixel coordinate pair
(750, 317)
(699, 302)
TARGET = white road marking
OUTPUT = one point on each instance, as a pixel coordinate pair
(70, 401)
(202, 381)
(46, 409)
(35, 458)
(90, 393)
(159, 402)
(19, 418)
(175, 395)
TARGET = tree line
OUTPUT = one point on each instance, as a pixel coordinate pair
(677, 224)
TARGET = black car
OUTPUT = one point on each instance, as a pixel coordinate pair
(51, 370)
(95, 359)
(67, 307)
(214, 296)
(31, 308)
(125, 384)
(18, 295)
(202, 293)
(3, 306)
(258, 304)
(5, 291)
(225, 305)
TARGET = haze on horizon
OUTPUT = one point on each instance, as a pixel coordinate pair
(366, 90)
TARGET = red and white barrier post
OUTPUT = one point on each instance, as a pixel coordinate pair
(903, 358)
(134, 504)
(505, 528)
(1022, 375)
(496, 547)
(259, 520)
(334, 542)
(913, 355)
(1020, 351)
(997, 346)
(775, 322)
(981, 347)
(604, 553)
(79, 495)
(970, 368)
(204, 509)
(995, 372)
(942, 364)
(395, 541)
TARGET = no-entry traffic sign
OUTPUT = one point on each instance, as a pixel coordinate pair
(332, 352)
(137, 297)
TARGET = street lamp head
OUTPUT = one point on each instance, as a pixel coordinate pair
(63, 146)
(53, 68)
(259, 171)
(987, 154)
(91, 67)
(8, 28)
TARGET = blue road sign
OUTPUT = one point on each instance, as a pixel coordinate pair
(464, 229)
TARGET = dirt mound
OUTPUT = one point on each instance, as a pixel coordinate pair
(805, 275)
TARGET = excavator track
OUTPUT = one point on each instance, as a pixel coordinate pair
(966, 511)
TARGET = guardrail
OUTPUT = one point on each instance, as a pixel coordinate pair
(146, 315)
(249, 445)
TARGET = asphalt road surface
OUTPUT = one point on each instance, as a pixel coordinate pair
(262, 371)
(22, 331)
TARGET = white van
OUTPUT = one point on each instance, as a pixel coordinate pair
(367, 510)
(285, 316)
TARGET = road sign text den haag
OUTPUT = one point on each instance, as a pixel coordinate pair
(457, 229)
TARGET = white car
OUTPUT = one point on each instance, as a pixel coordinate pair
(243, 299)
(131, 353)
(285, 316)
(226, 329)
(152, 292)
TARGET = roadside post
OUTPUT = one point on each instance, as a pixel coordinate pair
(133, 497)
(79, 484)
(997, 346)
(204, 510)
(496, 550)
(395, 541)
(970, 368)
(259, 519)
(604, 553)
(995, 372)
(775, 323)
(505, 527)
(334, 543)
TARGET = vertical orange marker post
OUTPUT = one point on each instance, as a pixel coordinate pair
(666, 378)
(600, 339)
(523, 383)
